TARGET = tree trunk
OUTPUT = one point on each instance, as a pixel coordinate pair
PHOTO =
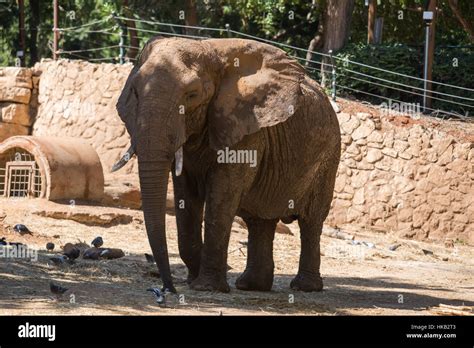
(34, 22)
(337, 23)
(316, 43)
(191, 16)
(371, 20)
(21, 31)
(132, 32)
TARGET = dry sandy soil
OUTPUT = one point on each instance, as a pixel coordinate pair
(359, 280)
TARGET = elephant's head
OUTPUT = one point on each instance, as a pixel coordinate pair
(181, 87)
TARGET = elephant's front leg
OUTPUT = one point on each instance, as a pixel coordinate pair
(224, 189)
(189, 216)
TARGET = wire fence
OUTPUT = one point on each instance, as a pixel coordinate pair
(322, 66)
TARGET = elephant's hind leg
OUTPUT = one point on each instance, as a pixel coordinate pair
(258, 274)
(311, 225)
(308, 277)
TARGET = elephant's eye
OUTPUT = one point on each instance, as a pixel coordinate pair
(191, 95)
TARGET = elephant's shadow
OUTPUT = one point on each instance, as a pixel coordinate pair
(119, 287)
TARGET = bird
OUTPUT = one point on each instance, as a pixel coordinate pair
(243, 242)
(149, 258)
(159, 294)
(72, 253)
(50, 246)
(394, 247)
(21, 229)
(91, 254)
(62, 259)
(3, 241)
(58, 260)
(97, 242)
(57, 289)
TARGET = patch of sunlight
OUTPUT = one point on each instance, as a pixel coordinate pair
(12, 276)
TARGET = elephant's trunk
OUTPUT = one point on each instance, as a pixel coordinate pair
(154, 184)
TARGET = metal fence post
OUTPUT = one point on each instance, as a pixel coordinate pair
(123, 34)
(333, 77)
(227, 27)
(55, 29)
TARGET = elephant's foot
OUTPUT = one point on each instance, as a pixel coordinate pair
(207, 283)
(191, 277)
(257, 280)
(307, 282)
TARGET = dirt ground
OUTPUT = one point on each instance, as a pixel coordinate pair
(359, 279)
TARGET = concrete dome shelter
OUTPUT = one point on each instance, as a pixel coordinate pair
(53, 168)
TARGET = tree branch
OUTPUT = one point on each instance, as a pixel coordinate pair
(453, 4)
(283, 32)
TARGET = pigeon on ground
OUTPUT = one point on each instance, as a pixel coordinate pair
(92, 254)
(21, 229)
(62, 259)
(57, 289)
(97, 242)
(394, 247)
(58, 260)
(149, 258)
(50, 246)
(111, 253)
(3, 241)
(72, 253)
(159, 294)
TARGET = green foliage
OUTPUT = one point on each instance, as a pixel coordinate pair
(408, 61)
(292, 22)
(8, 32)
(282, 20)
(402, 22)
(84, 11)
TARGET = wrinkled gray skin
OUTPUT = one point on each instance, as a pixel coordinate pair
(244, 95)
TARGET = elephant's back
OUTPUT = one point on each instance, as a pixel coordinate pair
(320, 114)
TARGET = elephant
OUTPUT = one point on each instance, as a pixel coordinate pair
(245, 132)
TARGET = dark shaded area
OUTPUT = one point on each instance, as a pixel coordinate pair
(115, 284)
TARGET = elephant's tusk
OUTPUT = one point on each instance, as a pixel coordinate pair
(178, 156)
(125, 158)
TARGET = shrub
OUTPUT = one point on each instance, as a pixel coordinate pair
(408, 61)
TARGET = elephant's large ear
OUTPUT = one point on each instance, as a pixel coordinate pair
(260, 87)
(128, 102)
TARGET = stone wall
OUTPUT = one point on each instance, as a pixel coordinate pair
(77, 99)
(411, 177)
(18, 101)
